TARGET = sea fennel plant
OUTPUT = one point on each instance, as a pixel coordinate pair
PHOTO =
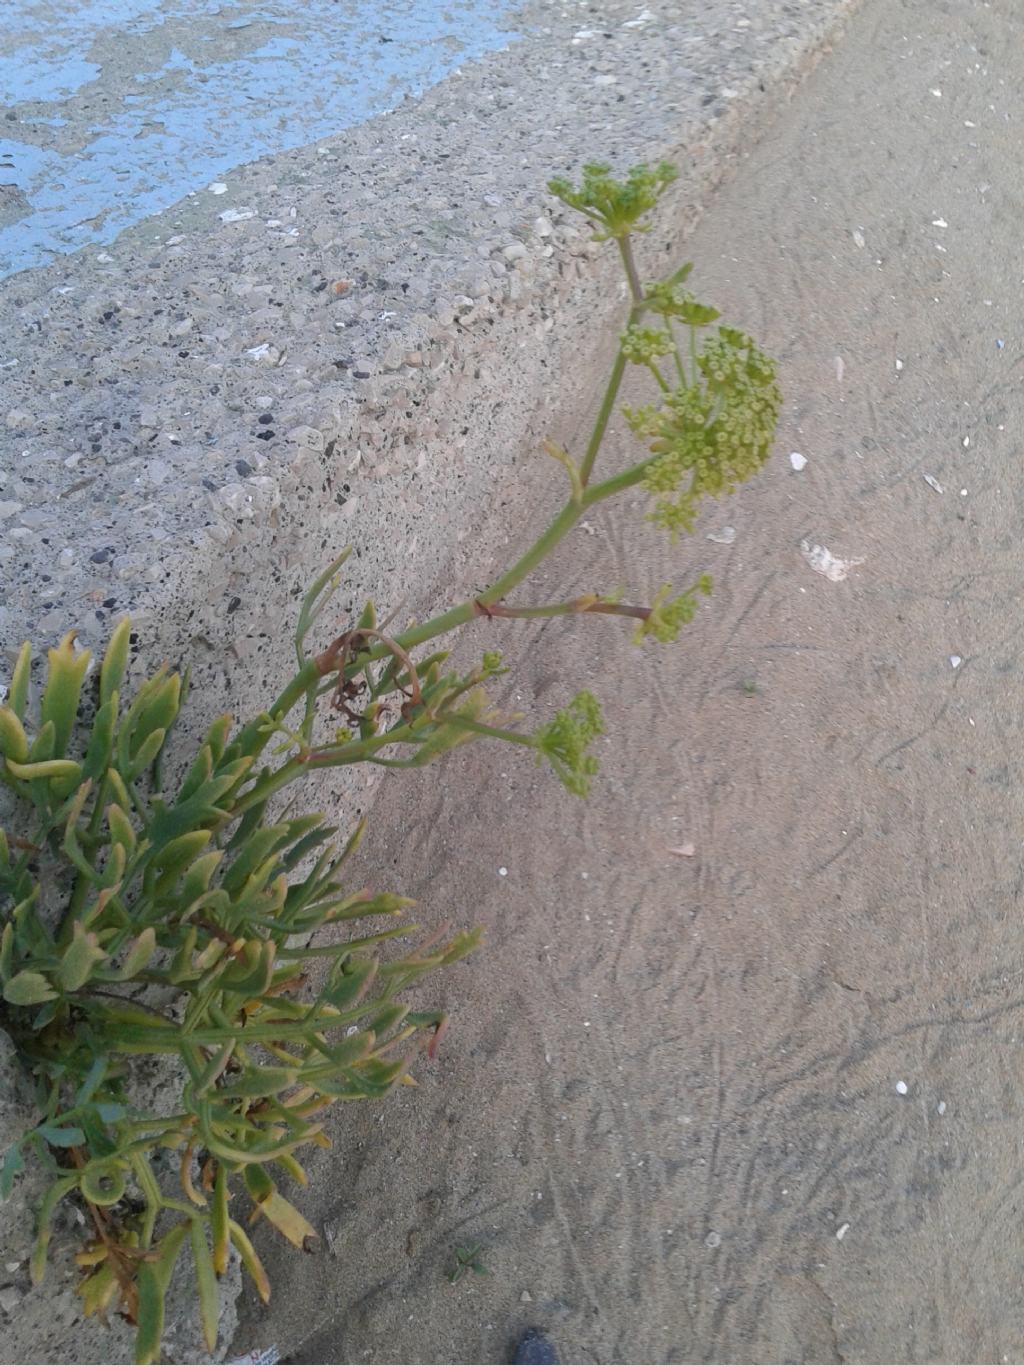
(201, 923)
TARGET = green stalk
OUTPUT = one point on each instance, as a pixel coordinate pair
(578, 607)
(477, 727)
(611, 393)
(693, 356)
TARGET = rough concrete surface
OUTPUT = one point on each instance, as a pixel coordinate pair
(761, 1105)
(115, 111)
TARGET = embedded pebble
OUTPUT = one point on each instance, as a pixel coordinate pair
(725, 536)
(10, 1298)
(901, 1087)
(798, 461)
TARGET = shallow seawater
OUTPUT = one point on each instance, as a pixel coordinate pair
(115, 109)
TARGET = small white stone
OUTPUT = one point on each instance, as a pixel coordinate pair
(217, 187)
(236, 215)
(901, 1087)
(515, 251)
(940, 1108)
(526, 1297)
(502, 871)
(899, 364)
(797, 460)
(725, 536)
(842, 1231)
(955, 660)
(10, 1298)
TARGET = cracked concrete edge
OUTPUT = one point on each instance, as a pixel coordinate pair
(210, 546)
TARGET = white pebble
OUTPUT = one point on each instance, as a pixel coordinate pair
(502, 871)
(217, 187)
(901, 1087)
(798, 461)
(941, 1108)
(955, 660)
(842, 1231)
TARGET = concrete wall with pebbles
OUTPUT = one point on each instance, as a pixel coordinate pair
(362, 342)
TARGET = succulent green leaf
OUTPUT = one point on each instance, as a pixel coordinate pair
(57, 1135)
(206, 1284)
(250, 1260)
(139, 955)
(115, 661)
(258, 1084)
(28, 988)
(159, 712)
(121, 829)
(64, 769)
(17, 697)
(13, 740)
(100, 749)
(54, 1194)
(349, 980)
(154, 1280)
(63, 689)
(11, 1166)
(80, 958)
(103, 1182)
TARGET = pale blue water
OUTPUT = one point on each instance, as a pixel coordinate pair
(306, 68)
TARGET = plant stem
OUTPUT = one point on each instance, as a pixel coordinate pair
(659, 377)
(693, 356)
(619, 368)
(491, 731)
(607, 406)
(625, 246)
(578, 607)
